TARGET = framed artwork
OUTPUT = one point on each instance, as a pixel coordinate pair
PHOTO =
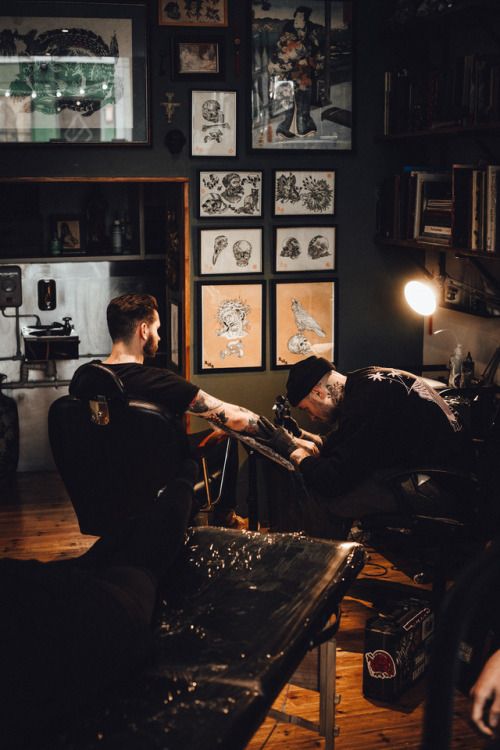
(230, 194)
(186, 13)
(301, 77)
(68, 228)
(304, 248)
(303, 321)
(300, 192)
(73, 73)
(213, 123)
(231, 325)
(197, 58)
(224, 251)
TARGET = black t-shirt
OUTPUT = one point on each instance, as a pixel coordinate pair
(387, 418)
(157, 385)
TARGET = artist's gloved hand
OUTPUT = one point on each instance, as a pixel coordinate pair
(290, 424)
(276, 438)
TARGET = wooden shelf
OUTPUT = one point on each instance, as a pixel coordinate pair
(487, 128)
(78, 258)
(437, 247)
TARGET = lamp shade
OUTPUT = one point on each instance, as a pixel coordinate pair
(421, 297)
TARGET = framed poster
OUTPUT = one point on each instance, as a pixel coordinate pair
(230, 194)
(224, 251)
(213, 123)
(186, 13)
(303, 321)
(73, 73)
(298, 249)
(301, 192)
(301, 77)
(231, 325)
(200, 57)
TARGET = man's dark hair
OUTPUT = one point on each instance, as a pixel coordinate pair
(305, 10)
(124, 314)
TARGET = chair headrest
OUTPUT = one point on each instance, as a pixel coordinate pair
(95, 379)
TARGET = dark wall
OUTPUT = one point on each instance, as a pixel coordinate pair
(372, 324)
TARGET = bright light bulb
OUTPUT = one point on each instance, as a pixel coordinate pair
(104, 86)
(33, 94)
(82, 92)
(58, 93)
(421, 296)
(7, 93)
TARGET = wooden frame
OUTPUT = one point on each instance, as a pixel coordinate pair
(231, 325)
(304, 192)
(230, 250)
(200, 57)
(213, 123)
(212, 13)
(66, 99)
(298, 102)
(231, 193)
(299, 249)
(303, 321)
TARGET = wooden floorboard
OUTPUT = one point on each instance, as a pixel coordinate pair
(37, 521)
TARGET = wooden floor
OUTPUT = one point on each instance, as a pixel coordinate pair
(37, 521)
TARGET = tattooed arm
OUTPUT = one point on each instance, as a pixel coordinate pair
(220, 412)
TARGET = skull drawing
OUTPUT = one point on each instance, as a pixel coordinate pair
(291, 248)
(242, 250)
(210, 110)
(318, 247)
(298, 344)
(220, 243)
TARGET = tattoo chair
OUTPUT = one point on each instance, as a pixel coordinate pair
(114, 454)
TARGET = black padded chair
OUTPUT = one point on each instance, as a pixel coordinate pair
(114, 454)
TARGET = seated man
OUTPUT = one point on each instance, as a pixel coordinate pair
(133, 324)
(380, 418)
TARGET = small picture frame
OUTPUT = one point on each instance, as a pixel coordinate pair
(302, 192)
(211, 13)
(304, 248)
(213, 123)
(200, 57)
(68, 228)
(231, 325)
(229, 193)
(303, 321)
(230, 251)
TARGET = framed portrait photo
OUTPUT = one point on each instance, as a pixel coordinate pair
(68, 228)
(87, 85)
(197, 58)
(304, 248)
(186, 13)
(301, 192)
(213, 123)
(231, 325)
(303, 321)
(229, 194)
(225, 251)
(301, 76)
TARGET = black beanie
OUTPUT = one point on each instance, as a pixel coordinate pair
(303, 377)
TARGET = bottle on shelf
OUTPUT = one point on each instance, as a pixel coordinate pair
(456, 362)
(467, 371)
(117, 237)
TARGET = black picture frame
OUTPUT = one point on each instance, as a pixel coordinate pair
(230, 251)
(214, 123)
(199, 57)
(69, 229)
(104, 102)
(297, 102)
(229, 194)
(239, 308)
(206, 14)
(304, 249)
(304, 192)
(296, 330)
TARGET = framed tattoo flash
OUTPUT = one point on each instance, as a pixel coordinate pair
(230, 193)
(303, 321)
(211, 13)
(300, 192)
(301, 248)
(231, 325)
(301, 77)
(213, 123)
(200, 57)
(228, 251)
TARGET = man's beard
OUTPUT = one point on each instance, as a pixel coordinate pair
(150, 347)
